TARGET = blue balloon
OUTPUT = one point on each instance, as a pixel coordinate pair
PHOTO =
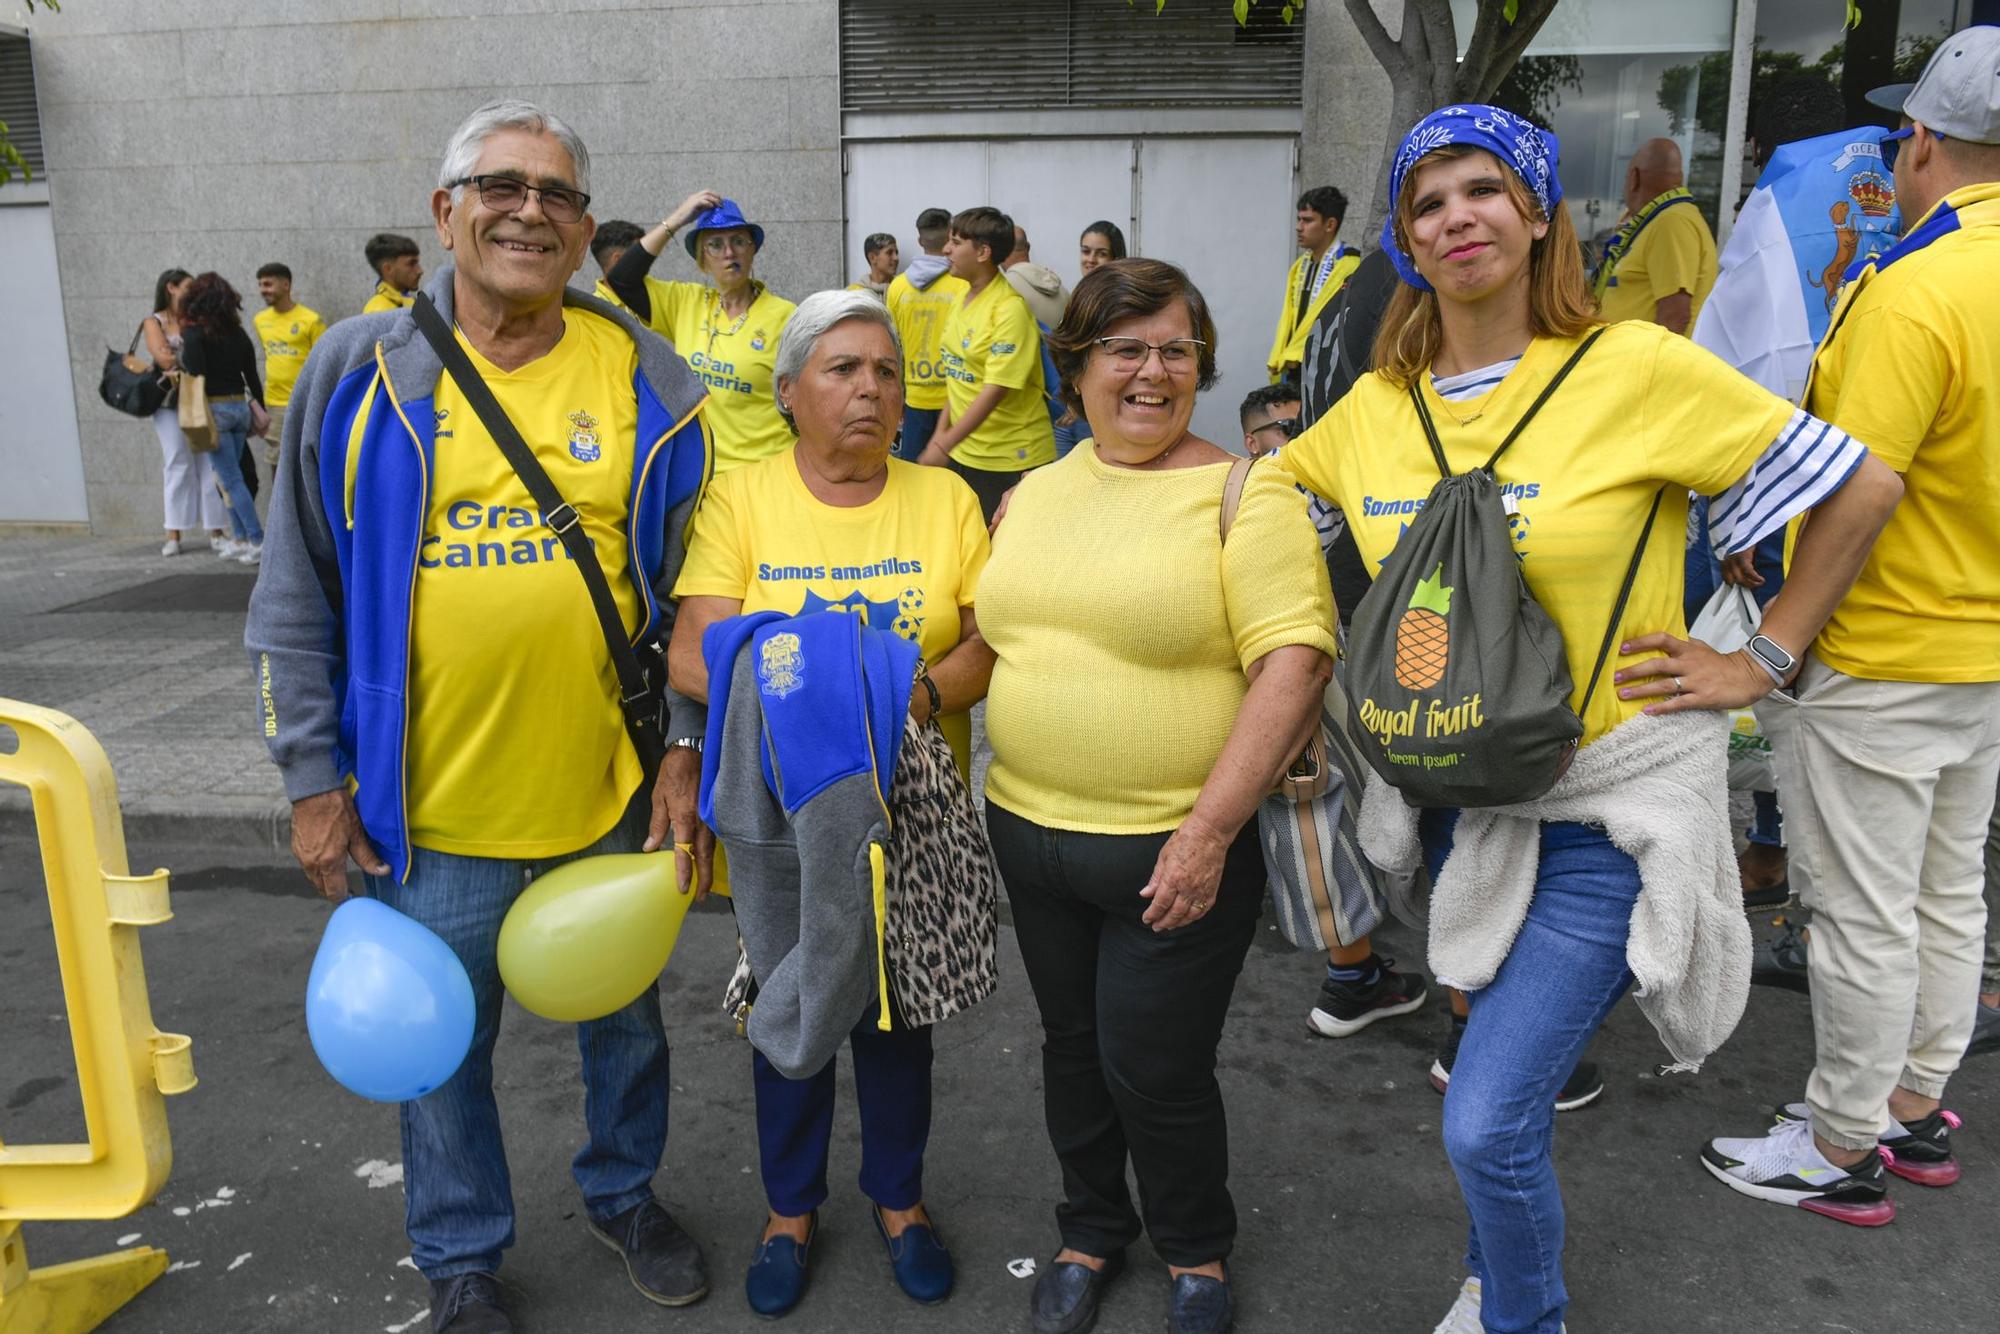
(388, 1005)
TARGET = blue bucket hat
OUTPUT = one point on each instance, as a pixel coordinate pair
(1525, 147)
(725, 216)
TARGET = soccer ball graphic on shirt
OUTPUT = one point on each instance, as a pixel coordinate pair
(910, 614)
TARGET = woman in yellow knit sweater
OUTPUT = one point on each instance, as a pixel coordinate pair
(1151, 685)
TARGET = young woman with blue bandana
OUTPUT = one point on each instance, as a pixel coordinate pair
(1546, 912)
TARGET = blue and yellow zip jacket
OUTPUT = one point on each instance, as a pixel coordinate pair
(329, 624)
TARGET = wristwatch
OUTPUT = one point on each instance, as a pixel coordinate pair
(692, 743)
(1773, 657)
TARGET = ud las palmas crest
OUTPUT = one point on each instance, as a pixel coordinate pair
(583, 445)
(781, 665)
(902, 615)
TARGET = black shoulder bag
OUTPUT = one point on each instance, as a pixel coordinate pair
(640, 682)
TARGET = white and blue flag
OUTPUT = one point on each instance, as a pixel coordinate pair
(1821, 205)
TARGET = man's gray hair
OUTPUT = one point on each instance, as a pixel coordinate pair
(815, 315)
(461, 155)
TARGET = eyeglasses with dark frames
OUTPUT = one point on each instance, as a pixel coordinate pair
(1175, 354)
(508, 194)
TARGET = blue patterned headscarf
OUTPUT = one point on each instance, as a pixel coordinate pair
(1521, 144)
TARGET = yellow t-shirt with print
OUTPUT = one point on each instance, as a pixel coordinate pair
(992, 339)
(908, 560)
(920, 314)
(1909, 373)
(734, 358)
(1675, 252)
(1644, 409)
(387, 297)
(517, 745)
(1123, 624)
(287, 338)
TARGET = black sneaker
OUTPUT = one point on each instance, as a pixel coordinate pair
(663, 1262)
(1345, 1008)
(468, 1304)
(1582, 1088)
(1780, 961)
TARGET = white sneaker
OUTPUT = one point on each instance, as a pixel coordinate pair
(174, 546)
(217, 541)
(1463, 1317)
(252, 554)
(231, 549)
(1784, 1166)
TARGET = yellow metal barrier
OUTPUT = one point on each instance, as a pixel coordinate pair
(123, 1063)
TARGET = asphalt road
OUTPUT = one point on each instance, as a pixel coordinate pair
(283, 1210)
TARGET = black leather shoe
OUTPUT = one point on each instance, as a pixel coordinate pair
(1200, 1305)
(663, 1262)
(468, 1304)
(1067, 1294)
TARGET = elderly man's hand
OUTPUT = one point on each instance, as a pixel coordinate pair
(676, 816)
(326, 833)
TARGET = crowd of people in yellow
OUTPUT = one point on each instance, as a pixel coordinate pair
(1149, 622)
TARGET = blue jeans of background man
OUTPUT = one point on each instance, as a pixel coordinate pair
(232, 432)
(892, 1088)
(459, 1205)
(1071, 434)
(919, 424)
(1527, 1029)
(1768, 556)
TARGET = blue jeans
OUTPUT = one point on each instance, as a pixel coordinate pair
(918, 426)
(1528, 1028)
(892, 1087)
(232, 433)
(1704, 572)
(1071, 434)
(459, 1205)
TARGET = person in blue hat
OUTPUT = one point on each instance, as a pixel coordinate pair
(726, 328)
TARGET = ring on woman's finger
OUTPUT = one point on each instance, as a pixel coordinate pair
(1679, 689)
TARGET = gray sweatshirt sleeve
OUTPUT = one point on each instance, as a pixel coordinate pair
(294, 631)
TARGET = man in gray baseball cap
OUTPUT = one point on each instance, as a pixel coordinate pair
(1890, 770)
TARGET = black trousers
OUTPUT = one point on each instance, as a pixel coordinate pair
(988, 486)
(1131, 1018)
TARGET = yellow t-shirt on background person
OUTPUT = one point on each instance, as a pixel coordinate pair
(1909, 373)
(387, 297)
(734, 358)
(920, 314)
(287, 338)
(1123, 627)
(517, 745)
(908, 560)
(1675, 252)
(1645, 408)
(992, 339)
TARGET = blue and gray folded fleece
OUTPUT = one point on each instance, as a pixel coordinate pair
(805, 722)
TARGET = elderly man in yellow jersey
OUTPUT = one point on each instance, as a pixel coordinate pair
(920, 299)
(438, 689)
(995, 425)
(1660, 265)
(398, 271)
(288, 331)
(1315, 278)
(1888, 777)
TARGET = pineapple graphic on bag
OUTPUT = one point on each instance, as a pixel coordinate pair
(1423, 635)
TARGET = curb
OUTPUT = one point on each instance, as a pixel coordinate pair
(180, 838)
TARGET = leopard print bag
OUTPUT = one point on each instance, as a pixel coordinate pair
(942, 929)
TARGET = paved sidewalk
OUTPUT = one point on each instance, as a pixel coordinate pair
(147, 652)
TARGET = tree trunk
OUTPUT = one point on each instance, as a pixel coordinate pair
(1869, 60)
(1425, 73)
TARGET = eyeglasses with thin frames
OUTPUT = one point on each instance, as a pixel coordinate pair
(506, 194)
(728, 241)
(1176, 354)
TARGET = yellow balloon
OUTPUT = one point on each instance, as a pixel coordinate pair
(587, 938)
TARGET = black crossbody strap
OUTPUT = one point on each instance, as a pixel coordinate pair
(1430, 429)
(636, 696)
(1624, 595)
(1547, 391)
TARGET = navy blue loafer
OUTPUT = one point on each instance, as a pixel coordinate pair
(1067, 1294)
(777, 1277)
(1200, 1305)
(921, 1263)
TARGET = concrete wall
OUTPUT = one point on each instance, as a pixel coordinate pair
(219, 134)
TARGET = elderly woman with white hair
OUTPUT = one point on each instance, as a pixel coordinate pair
(835, 523)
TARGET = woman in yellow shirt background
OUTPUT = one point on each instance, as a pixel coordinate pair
(726, 329)
(1151, 684)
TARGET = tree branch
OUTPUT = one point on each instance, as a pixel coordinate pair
(1379, 41)
(1497, 46)
(1441, 47)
